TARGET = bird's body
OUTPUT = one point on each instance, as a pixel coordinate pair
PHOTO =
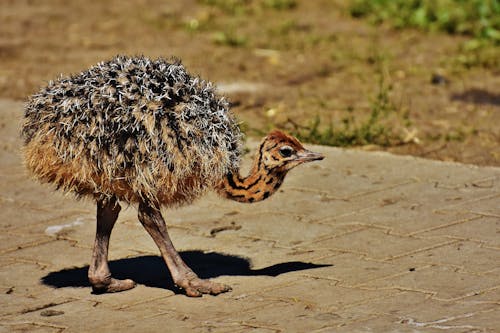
(145, 131)
(131, 127)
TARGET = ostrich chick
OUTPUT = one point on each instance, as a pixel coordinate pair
(145, 132)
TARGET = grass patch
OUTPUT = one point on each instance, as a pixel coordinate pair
(241, 7)
(373, 129)
(225, 19)
(478, 53)
(379, 124)
(232, 7)
(478, 19)
(279, 4)
(229, 38)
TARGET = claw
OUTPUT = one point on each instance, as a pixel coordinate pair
(196, 287)
(114, 286)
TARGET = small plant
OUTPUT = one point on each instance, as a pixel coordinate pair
(229, 38)
(241, 7)
(356, 129)
(373, 129)
(280, 4)
(478, 53)
(233, 7)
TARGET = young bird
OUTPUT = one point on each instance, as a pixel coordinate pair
(146, 132)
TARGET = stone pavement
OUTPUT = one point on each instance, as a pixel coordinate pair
(359, 242)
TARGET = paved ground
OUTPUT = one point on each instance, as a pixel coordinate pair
(360, 242)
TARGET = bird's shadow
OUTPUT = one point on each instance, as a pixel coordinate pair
(151, 271)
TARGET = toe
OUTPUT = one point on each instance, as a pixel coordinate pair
(196, 287)
(192, 292)
(210, 287)
(120, 285)
(218, 288)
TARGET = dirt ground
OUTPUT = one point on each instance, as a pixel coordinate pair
(274, 62)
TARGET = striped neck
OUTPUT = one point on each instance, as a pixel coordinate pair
(258, 186)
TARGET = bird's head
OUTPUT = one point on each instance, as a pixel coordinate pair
(282, 152)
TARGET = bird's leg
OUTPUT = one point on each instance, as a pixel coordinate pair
(152, 220)
(99, 274)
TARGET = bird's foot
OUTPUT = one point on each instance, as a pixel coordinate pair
(113, 286)
(196, 287)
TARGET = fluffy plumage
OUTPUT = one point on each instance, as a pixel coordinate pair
(137, 130)
(131, 127)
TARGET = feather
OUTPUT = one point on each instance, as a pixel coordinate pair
(148, 123)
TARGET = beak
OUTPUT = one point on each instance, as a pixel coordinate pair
(309, 156)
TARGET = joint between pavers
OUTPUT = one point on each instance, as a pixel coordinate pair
(347, 322)
(485, 214)
(429, 293)
(486, 197)
(275, 244)
(143, 252)
(490, 182)
(334, 217)
(264, 290)
(387, 277)
(24, 204)
(262, 326)
(248, 310)
(438, 323)
(41, 265)
(60, 328)
(326, 278)
(328, 237)
(378, 190)
(369, 300)
(442, 226)
(322, 193)
(491, 247)
(332, 254)
(129, 305)
(46, 306)
(26, 246)
(420, 250)
(470, 294)
(48, 220)
(341, 250)
(293, 300)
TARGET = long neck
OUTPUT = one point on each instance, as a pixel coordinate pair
(257, 186)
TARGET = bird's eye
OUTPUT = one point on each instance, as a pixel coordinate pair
(286, 151)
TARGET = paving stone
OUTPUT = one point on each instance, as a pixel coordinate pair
(327, 295)
(459, 284)
(52, 254)
(467, 256)
(483, 230)
(352, 269)
(379, 244)
(359, 242)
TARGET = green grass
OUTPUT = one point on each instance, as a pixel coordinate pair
(478, 53)
(355, 131)
(477, 18)
(229, 38)
(279, 4)
(241, 7)
(375, 125)
(226, 18)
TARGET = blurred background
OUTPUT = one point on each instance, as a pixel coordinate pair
(416, 77)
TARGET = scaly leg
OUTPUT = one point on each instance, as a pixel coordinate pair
(99, 274)
(182, 275)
